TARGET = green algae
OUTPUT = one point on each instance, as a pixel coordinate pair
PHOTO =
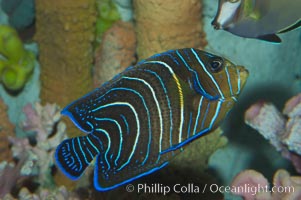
(107, 15)
(16, 63)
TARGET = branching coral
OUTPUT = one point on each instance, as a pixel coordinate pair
(16, 63)
(252, 185)
(10, 174)
(49, 131)
(60, 193)
(36, 157)
(282, 130)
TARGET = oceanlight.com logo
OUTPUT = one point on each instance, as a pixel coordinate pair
(190, 188)
(253, 189)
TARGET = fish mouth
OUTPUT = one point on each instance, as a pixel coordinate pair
(216, 25)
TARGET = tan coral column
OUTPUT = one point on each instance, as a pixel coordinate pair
(64, 32)
(169, 24)
(115, 53)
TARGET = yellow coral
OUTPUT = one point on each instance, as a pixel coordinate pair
(16, 63)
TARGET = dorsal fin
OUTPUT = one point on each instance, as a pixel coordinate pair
(292, 27)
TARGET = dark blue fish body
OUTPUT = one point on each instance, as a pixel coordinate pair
(139, 120)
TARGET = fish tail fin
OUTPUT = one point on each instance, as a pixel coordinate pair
(74, 155)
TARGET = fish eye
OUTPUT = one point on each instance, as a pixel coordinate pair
(216, 65)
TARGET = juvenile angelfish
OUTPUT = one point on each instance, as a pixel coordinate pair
(261, 19)
(139, 120)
